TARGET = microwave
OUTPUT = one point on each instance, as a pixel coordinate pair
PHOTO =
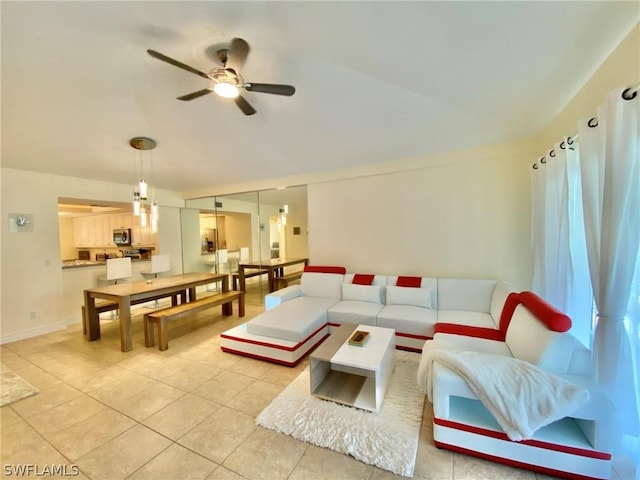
(122, 236)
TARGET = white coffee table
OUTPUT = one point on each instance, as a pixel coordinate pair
(352, 375)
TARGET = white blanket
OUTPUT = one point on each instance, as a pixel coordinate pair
(521, 396)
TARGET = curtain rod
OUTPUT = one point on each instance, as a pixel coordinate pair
(628, 94)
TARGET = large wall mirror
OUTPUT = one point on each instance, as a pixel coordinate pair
(219, 233)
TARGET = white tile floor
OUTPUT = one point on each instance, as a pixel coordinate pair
(186, 413)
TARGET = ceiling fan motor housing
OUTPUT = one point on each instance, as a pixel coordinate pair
(225, 75)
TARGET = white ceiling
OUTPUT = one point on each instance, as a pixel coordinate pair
(376, 81)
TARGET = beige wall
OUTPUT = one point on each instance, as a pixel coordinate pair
(620, 70)
(464, 215)
(68, 250)
(32, 292)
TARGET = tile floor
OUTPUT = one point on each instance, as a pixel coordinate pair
(186, 413)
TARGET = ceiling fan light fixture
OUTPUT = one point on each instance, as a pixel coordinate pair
(226, 90)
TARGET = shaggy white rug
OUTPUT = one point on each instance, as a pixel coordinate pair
(13, 387)
(387, 439)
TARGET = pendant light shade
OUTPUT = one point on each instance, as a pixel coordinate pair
(136, 204)
(141, 188)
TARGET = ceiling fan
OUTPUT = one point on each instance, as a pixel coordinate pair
(226, 80)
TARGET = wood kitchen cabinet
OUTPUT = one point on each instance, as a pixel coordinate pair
(97, 231)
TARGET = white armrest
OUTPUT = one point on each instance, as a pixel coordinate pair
(274, 299)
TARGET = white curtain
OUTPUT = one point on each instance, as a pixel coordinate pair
(559, 248)
(551, 231)
(610, 168)
(586, 247)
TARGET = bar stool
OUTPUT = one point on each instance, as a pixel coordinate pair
(159, 264)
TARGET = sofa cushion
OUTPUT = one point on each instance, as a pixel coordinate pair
(465, 294)
(408, 319)
(353, 311)
(418, 297)
(328, 285)
(294, 320)
(462, 317)
(426, 282)
(362, 293)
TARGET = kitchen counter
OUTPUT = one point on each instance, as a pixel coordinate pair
(72, 264)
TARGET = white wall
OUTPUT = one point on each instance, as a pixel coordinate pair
(32, 292)
(463, 215)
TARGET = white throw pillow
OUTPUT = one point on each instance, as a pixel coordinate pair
(362, 293)
(419, 297)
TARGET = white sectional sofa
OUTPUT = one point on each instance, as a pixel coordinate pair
(478, 317)
(300, 316)
(576, 445)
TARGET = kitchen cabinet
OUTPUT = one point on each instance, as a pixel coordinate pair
(97, 231)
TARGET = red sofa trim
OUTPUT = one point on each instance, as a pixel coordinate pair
(536, 443)
(404, 281)
(363, 278)
(553, 318)
(469, 331)
(324, 269)
(515, 463)
(510, 304)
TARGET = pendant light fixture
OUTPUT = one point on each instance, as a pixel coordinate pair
(140, 192)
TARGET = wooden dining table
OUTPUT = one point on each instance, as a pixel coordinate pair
(274, 268)
(181, 286)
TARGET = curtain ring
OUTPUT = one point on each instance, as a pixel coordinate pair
(628, 94)
(562, 145)
(535, 166)
(552, 153)
(543, 160)
(593, 122)
(569, 141)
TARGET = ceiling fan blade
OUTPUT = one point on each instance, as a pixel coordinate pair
(191, 96)
(176, 63)
(246, 108)
(237, 54)
(275, 89)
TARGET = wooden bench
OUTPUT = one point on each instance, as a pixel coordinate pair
(104, 306)
(162, 317)
(252, 273)
(283, 281)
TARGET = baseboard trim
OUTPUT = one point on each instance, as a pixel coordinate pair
(36, 331)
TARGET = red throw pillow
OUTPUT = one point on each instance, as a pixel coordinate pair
(409, 282)
(323, 269)
(363, 279)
